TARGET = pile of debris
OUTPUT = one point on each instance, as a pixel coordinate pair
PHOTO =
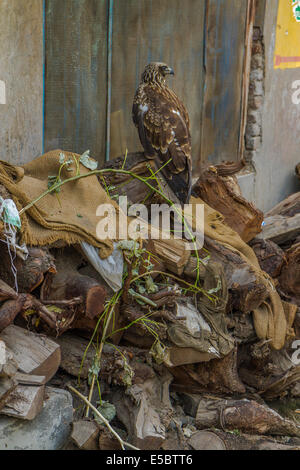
(162, 346)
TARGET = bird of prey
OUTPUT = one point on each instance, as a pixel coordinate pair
(163, 125)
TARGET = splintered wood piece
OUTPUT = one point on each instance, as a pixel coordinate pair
(290, 274)
(25, 402)
(70, 284)
(280, 229)
(35, 354)
(172, 253)
(247, 291)
(85, 435)
(287, 208)
(10, 309)
(27, 379)
(30, 273)
(246, 415)
(224, 195)
(270, 256)
(7, 386)
(6, 292)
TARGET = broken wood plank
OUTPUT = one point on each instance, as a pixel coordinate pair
(224, 195)
(25, 402)
(7, 386)
(6, 292)
(70, 284)
(270, 256)
(35, 354)
(27, 379)
(10, 309)
(245, 415)
(30, 273)
(290, 274)
(280, 229)
(85, 434)
(287, 208)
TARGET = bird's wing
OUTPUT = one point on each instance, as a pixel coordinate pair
(163, 127)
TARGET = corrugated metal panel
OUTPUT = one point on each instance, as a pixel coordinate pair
(75, 99)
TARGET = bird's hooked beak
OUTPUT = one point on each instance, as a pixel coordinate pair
(169, 71)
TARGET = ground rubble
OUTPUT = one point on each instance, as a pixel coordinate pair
(195, 351)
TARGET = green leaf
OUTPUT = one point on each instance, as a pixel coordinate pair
(88, 162)
(108, 411)
(151, 286)
(62, 158)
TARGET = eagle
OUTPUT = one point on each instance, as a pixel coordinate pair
(164, 128)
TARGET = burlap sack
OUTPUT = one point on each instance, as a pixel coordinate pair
(69, 215)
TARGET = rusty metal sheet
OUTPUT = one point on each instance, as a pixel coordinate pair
(75, 92)
(224, 58)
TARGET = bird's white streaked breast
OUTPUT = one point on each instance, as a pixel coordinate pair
(144, 108)
(176, 112)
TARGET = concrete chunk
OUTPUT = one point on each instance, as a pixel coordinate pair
(49, 431)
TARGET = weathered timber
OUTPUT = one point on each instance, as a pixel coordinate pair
(246, 290)
(35, 354)
(280, 229)
(6, 292)
(223, 194)
(25, 402)
(270, 256)
(85, 435)
(288, 207)
(246, 415)
(30, 272)
(70, 284)
(10, 309)
(290, 274)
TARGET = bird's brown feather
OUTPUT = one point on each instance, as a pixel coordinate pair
(163, 124)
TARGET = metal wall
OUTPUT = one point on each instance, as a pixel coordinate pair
(21, 70)
(202, 39)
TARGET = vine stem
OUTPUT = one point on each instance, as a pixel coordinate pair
(90, 173)
(99, 352)
(105, 421)
(125, 172)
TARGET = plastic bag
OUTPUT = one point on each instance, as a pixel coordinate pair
(111, 268)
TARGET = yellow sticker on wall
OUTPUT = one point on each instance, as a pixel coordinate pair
(287, 49)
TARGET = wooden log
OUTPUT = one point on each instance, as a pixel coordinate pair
(27, 379)
(290, 274)
(25, 402)
(287, 208)
(30, 273)
(85, 435)
(35, 354)
(218, 376)
(7, 386)
(270, 256)
(10, 309)
(245, 415)
(280, 229)
(6, 292)
(246, 290)
(221, 440)
(223, 194)
(145, 410)
(124, 185)
(70, 284)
